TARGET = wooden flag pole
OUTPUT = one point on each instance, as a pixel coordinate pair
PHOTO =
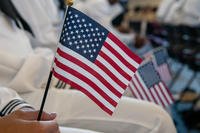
(69, 3)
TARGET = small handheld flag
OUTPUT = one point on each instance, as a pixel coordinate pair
(69, 3)
(147, 85)
(161, 57)
(93, 60)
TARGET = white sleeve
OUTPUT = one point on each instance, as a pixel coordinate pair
(25, 74)
(32, 75)
(41, 24)
(10, 101)
(192, 8)
(164, 8)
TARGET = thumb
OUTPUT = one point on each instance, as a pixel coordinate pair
(50, 126)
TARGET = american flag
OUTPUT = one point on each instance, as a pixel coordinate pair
(160, 59)
(147, 85)
(159, 56)
(93, 60)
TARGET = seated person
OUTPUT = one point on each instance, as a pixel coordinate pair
(19, 117)
(179, 12)
(103, 11)
(25, 70)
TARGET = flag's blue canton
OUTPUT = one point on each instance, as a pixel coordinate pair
(149, 74)
(161, 56)
(82, 34)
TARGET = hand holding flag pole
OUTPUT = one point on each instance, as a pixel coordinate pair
(92, 60)
(68, 3)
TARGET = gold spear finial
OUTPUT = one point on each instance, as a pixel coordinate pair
(69, 2)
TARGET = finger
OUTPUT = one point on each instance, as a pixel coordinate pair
(58, 131)
(25, 115)
(46, 116)
(32, 115)
(42, 126)
(50, 126)
(29, 115)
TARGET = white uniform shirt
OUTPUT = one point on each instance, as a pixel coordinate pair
(41, 15)
(18, 58)
(179, 12)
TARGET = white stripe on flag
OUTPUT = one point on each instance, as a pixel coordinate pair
(134, 90)
(161, 95)
(84, 85)
(112, 69)
(144, 86)
(155, 96)
(139, 89)
(165, 92)
(117, 61)
(121, 52)
(92, 66)
(88, 75)
(163, 70)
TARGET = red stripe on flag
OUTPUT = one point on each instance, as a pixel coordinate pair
(130, 66)
(151, 90)
(142, 87)
(112, 63)
(108, 72)
(160, 99)
(163, 94)
(74, 85)
(133, 93)
(153, 96)
(125, 48)
(86, 80)
(137, 89)
(164, 72)
(90, 70)
(169, 93)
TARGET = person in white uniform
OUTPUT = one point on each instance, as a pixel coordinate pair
(25, 70)
(43, 18)
(13, 57)
(177, 12)
(18, 116)
(103, 11)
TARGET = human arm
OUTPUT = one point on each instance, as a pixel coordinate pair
(21, 121)
(20, 117)
(10, 101)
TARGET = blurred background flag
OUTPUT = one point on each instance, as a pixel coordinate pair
(161, 58)
(147, 85)
(93, 60)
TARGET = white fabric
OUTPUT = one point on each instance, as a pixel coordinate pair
(164, 9)
(51, 10)
(192, 9)
(11, 36)
(76, 110)
(74, 130)
(6, 95)
(179, 12)
(37, 15)
(21, 67)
